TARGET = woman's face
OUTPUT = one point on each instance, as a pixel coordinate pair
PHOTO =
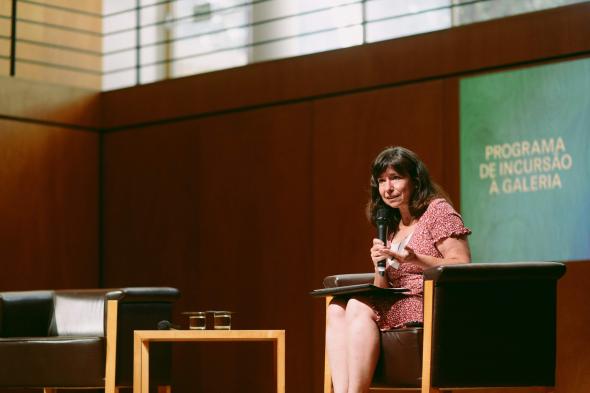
(395, 189)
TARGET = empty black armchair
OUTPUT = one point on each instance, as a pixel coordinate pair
(485, 325)
(79, 338)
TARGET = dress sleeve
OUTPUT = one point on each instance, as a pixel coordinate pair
(445, 221)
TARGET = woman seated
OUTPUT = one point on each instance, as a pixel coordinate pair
(424, 231)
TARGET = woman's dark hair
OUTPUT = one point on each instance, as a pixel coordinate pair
(407, 164)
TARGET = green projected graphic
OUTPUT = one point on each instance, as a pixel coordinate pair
(525, 163)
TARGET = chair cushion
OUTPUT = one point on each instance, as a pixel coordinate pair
(25, 313)
(400, 361)
(49, 361)
(78, 313)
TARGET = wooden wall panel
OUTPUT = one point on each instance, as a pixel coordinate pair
(49, 205)
(5, 11)
(83, 15)
(39, 33)
(91, 62)
(94, 6)
(49, 232)
(4, 47)
(58, 75)
(4, 67)
(31, 101)
(220, 208)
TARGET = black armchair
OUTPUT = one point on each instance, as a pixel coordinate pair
(485, 325)
(79, 338)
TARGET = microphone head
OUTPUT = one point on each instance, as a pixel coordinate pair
(164, 325)
(382, 215)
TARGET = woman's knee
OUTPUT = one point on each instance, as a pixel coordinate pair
(358, 310)
(336, 311)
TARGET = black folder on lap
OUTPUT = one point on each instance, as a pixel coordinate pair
(357, 289)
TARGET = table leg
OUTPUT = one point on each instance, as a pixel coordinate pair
(145, 366)
(280, 362)
(136, 364)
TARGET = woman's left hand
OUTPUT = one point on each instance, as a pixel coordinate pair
(407, 256)
(454, 250)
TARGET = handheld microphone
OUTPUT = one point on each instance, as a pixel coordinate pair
(382, 219)
(167, 325)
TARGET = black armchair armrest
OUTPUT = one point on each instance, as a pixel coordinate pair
(340, 280)
(471, 272)
(144, 294)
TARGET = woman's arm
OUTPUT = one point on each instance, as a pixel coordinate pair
(455, 250)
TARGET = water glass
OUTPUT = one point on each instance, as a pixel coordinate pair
(222, 320)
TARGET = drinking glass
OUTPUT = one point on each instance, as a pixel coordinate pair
(222, 320)
(197, 320)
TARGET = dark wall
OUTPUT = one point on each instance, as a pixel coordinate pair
(49, 176)
(246, 187)
(219, 207)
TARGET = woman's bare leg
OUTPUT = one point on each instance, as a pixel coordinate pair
(362, 345)
(336, 344)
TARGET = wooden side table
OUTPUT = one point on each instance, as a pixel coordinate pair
(142, 339)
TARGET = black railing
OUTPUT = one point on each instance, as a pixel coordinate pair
(18, 21)
(134, 47)
(13, 38)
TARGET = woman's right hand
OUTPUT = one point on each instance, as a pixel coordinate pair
(377, 253)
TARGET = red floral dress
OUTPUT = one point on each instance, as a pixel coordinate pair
(438, 222)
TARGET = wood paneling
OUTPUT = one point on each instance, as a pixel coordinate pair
(91, 6)
(49, 232)
(86, 16)
(49, 204)
(57, 75)
(4, 67)
(5, 8)
(514, 40)
(39, 33)
(4, 47)
(91, 62)
(220, 208)
(5, 29)
(34, 101)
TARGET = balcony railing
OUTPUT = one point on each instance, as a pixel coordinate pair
(130, 42)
